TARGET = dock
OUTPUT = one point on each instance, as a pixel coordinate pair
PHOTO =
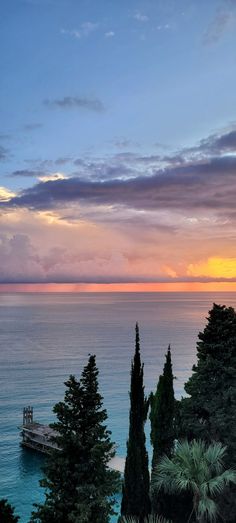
(39, 437)
(35, 435)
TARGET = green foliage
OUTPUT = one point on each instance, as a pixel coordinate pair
(197, 468)
(135, 491)
(149, 519)
(162, 413)
(79, 485)
(7, 512)
(209, 411)
(162, 427)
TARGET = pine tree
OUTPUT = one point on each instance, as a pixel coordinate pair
(162, 413)
(162, 429)
(7, 512)
(209, 412)
(135, 492)
(79, 485)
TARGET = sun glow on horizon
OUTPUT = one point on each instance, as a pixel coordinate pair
(214, 267)
(117, 287)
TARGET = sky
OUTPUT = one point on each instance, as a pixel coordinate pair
(118, 144)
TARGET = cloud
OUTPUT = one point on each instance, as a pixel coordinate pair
(163, 27)
(141, 17)
(148, 181)
(214, 267)
(219, 25)
(19, 260)
(32, 126)
(121, 218)
(84, 30)
(27, 173)
(88, 27)
(220, 144)
(123, 143)
(63, 160)
(6, 194)
(215, 144)
(76, 102)
(202, 185)
(52, 177)
(109, 34)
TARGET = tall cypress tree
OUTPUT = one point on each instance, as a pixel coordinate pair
(7, 512)
(162, 428)
(79, 485)
(209, 411)
(162, 413)
(135, 492)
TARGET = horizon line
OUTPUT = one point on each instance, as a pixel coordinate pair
(117, 287)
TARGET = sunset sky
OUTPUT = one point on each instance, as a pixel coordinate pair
(118, 144)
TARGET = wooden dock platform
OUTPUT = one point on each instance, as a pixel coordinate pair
(38, 437)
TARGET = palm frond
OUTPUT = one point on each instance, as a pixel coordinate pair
(207, 509)
(214, 455)
(152, 518)
(217, 484)
(128, 519)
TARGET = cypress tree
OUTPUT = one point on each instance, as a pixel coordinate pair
(162, 413)
(209, 411)
(79, 485)
(135, 491)
(162, 429)
(7, 512)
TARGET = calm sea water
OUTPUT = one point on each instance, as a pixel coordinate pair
(46, 337)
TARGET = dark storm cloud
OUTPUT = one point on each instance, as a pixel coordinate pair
(209, 184)
(76, 102)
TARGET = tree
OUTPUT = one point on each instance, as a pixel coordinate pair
(199, 469)
(7, 512)
(209, 411)
(162, 413)
(162, 428)
(149, 519)
(135, 491)
(79, 485)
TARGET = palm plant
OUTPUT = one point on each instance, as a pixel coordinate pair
(196, 468)
(148, 519)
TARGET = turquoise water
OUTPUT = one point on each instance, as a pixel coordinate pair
(45, 337)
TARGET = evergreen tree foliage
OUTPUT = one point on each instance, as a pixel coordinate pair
(7, 512)
(162, 431)
(209, 411)
(135, 491)
(79, 485)
(162, 413)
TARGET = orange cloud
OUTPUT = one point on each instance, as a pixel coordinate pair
(214, 267)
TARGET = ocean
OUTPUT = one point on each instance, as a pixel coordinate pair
(46, 337)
